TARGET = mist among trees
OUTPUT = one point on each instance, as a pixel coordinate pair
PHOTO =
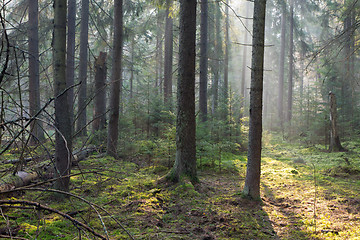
(165, 119)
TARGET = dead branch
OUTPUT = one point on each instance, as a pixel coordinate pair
(39, 206)
(92, 205)
(3, 71)
(11, 237)
(20, 179)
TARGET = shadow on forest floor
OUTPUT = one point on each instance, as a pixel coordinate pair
(213, 210)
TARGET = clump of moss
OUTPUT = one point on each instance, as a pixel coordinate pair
(342, 171)
(186, 189)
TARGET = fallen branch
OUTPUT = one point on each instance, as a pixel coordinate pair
(23, 178)
(39, 206)
(12, 237)
(79, 155)
(13, 161)
(20, 179)
(92, 205)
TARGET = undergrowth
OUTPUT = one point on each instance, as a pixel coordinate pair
(214, 209)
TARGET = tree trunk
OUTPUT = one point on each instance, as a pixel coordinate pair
(203, 61)
(335, 145)
(226, 60)
(253, 172)
(218, 47)
(116, 80)
(302, 70)
(84, 29)
(63, 141)
(168, 61)
(347, 82)
(282, 66)
(99, 122)
(132, 66)
(1, 115)
(159, 50)
(70, 58)
(291, 64)
(244, 60)
(185, 162)
(34, 83)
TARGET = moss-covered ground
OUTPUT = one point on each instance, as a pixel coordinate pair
(307, 193)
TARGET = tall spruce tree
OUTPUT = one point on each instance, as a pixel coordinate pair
(70, 57)
(282, 66)
(253, 172)
(116, 80)
(84, 30)
(185, 162)
(203, 61)
(34, 82)
(63, 141)
(168, 61)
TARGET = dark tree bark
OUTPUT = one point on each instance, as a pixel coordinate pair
(168, 61)
(185, 162)
(63, 141)
(335, 145)
(291, 64)
(116, 80)
(203, 61)
(70, 58)
(253, 172)
(84, 30)
(99, 122)
(282, 66)
(34, 82)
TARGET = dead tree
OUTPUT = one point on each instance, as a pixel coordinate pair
(335, 145)
(100, 97)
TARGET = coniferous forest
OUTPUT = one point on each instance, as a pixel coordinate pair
(165, 119)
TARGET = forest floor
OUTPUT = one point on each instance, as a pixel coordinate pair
(307, 193)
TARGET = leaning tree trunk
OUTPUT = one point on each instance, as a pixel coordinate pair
(168, 61)
(203, 61)
(116, 80)
(185, 162)
(84, 29)
(335, 145)
(34, 82)
(63, 141)
(99, 121)
(253, 172)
